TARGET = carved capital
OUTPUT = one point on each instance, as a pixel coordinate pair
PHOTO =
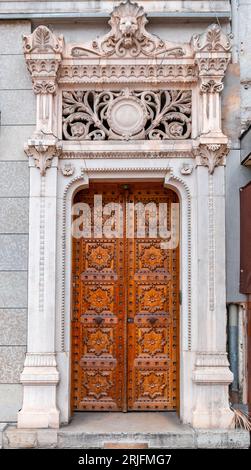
(212, 55)
(211, 155)
(211, 86)
(43, 150)
(43, 87)
(43, 55)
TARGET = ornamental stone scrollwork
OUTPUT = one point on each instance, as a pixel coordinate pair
(129, 38)
(127, 114)
(211, 155)
(43, 150)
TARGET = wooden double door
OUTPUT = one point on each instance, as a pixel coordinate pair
(125, 301)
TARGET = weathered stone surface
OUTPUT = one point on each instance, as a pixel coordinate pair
(13, 252)
(12, 361)
(13, 73)
(17, 107)
(10, 401)
(10, 296)
(13, 327)
(12, 142)
(14, 215)
(19, 439)
(10, 36)
(220, 439)
(14, 179)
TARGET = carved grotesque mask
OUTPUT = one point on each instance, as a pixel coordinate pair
(128, 26)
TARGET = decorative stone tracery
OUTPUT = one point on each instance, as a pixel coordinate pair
(127, 114)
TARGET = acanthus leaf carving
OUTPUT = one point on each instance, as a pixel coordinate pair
(211, 155)
(212, 40)
(43, 150)
(42, 40)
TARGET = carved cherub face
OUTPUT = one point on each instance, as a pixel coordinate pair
(128, 25)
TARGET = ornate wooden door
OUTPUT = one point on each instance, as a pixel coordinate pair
(125, 309)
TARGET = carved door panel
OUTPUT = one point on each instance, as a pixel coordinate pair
(153, 293)
(98, 315)
(125, 311)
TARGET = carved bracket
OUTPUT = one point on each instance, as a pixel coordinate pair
(211, 155)
(43, 150)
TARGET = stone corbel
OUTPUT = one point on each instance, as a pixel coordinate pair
(211, 155)
(212, 55)
(43, 149)
(43, 55)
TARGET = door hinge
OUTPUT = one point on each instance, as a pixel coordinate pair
(180, 297)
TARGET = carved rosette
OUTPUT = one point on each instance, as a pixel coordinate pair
(43, 151)
(211, 155)
(43, 55)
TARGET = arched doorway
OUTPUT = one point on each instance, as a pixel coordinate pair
(125, 300)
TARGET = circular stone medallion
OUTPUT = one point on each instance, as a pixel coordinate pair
(126, 116)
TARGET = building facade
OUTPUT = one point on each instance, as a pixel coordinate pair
(130, 102)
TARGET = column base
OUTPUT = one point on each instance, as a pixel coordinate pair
(212, 377)
(39, 378)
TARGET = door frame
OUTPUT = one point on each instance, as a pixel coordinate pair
(64, 260)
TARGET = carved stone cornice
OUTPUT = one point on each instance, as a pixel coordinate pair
(211, 155)
(43, 55)
(43, 149)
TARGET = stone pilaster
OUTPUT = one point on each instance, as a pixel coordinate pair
(40, 375)
(211, 374)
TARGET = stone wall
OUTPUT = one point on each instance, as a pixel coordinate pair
(17, 120)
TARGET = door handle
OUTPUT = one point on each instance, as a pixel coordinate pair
(130, 320)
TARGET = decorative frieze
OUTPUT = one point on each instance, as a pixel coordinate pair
(130, 73)
(127, 114)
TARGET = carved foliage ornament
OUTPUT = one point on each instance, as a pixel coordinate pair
(211, 155)
(128, 37)
(43, 150)
(127, 114)
(213, 40)
(42, 40)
